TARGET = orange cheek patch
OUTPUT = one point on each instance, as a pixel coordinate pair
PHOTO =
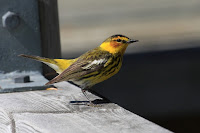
(115, 44)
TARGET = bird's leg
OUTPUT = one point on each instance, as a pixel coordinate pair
(85, 94)
(90, 104)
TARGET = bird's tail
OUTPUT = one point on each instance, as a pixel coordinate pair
(59, 65)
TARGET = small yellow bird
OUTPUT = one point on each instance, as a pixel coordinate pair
(91, 68)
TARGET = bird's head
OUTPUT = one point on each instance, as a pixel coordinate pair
(117, 44)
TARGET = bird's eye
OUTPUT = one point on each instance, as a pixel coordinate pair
(119, 40)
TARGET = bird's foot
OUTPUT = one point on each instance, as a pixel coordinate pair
(93, 105)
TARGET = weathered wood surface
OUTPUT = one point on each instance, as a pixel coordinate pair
(51, 112)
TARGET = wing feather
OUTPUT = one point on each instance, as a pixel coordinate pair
(91, 61)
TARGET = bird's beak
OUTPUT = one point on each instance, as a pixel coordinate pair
(132, 41)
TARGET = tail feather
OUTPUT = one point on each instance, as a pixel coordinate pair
(59, 65)
(38, 58)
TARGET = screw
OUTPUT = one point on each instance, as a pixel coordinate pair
(10, 20)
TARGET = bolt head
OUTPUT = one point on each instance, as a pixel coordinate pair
(10, 20)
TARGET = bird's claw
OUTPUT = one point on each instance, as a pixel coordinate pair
(93, 105)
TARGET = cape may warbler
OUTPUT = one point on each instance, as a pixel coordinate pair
(92, 67)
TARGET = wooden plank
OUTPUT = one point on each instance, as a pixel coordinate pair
(50, 33)
(53, 111)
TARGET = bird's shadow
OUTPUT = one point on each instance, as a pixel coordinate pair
(96, 101)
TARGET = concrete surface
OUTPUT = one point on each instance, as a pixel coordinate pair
(55, 112)
(159, 25)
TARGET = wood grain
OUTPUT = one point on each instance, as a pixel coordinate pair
(52, 111)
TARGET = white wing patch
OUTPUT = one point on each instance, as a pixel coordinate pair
(95, 62)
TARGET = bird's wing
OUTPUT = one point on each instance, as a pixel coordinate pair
(87, 63)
